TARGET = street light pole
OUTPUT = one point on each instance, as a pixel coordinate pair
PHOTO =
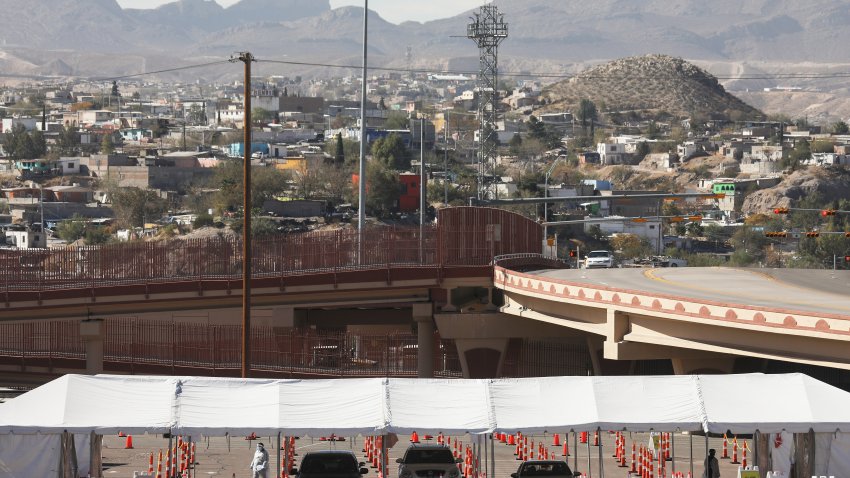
(361, 186)
(546, 204)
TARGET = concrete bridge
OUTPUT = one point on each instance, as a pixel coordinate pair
(436, 284)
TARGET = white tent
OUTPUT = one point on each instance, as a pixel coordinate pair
(106, 404)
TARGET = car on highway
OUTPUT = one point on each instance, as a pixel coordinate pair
(329, 464)
(547, 468)
(599, 259)
(428, 461)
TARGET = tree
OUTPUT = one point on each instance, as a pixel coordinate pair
(514, 144)
(381, 104)
(69, 140)
(196, 115)
(840, 127)
(261, 115)
(72, 229)
(106, 145)
(800, 153)
(134, 207)
(339, 153)
(631, 246)
(587, 112)
(266, 183)
(392, 152)
(383, 188)
(397, 120)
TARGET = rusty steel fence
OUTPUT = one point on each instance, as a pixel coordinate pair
(215, 258)
(142, 346)
(463, 236)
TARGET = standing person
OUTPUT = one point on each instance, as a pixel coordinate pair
(260, 463)
(712, 466)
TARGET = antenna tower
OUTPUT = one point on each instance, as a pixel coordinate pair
(487, 29)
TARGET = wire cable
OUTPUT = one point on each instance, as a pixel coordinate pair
(168, 70)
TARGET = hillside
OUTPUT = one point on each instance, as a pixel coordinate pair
(650, 83)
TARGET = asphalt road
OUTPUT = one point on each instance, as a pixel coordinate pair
(220, 457)
(806, 291)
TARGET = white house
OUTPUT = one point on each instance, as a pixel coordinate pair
(26, 239)
(610, 153)
(68, 165)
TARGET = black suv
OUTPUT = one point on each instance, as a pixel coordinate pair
(428, 461)
(329, 464)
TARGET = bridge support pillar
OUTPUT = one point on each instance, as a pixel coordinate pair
(717, 364)
(423, 314)
(91, 330)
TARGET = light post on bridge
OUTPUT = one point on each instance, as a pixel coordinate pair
(546, 204)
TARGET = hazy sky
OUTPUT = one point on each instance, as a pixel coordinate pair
(395, 11)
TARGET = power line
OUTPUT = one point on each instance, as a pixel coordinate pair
(767, 76)
(168, 70)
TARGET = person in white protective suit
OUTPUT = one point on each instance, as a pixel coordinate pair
(260, 463)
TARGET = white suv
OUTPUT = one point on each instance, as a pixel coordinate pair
(600, 259)
(428, 461)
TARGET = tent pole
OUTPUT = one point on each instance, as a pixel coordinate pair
(279, 463)
(492, 457)
(169, 449)
(673, 452)
(384, 454)
(756, 447)
(286, 464)
(575, 450)
(601, 469)
(588, 456)
(691, 438)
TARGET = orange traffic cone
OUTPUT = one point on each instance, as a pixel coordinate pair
(633, 469)
(556, 440)
(566, 449)
(735, 452)
(129, 444)
(725, 448)
(414, 437)
(744, 459)
(596, 438)
(583, 438)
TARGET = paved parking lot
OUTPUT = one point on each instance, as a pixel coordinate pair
(223, 457)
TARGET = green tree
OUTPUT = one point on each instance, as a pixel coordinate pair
(196, 115)
(587, 113)
(72, 229)
(339, 153)
(514, 144)
(261, 115)
(397, 120)
(392, 152)
(383, 188)
(134, 207)
(202, 220)
(69, 140)
(840, 127)
(801, 152)
(106, 145)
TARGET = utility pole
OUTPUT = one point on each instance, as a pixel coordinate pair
(446, 160)
(247, 58)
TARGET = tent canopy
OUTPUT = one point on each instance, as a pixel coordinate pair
(107, 404)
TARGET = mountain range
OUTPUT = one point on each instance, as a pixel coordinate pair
(734, 39)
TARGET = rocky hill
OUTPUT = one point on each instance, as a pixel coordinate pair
(650, 83)
(829, 184)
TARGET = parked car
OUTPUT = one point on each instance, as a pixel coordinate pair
(599, 259)
(432, 461)
(329, 464)
(547, 468)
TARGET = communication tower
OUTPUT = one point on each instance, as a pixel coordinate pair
(487, 29)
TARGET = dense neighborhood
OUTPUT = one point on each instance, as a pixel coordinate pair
(92, 162)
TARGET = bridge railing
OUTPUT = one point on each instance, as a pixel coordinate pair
(216, 258)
